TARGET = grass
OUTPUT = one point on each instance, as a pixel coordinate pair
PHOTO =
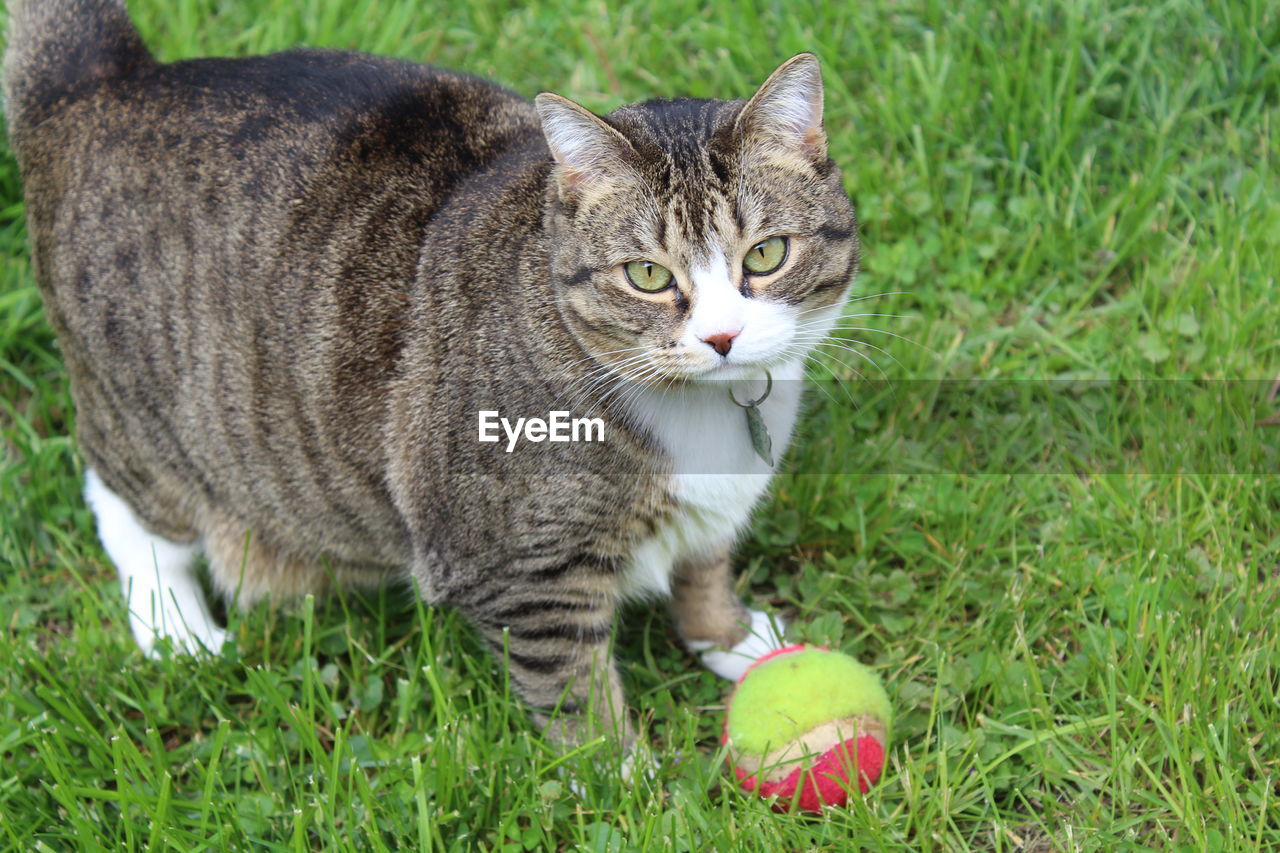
(1044, 512)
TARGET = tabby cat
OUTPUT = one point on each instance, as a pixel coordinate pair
(286, 286)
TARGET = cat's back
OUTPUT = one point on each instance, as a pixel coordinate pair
(226, 249)
(266, 128)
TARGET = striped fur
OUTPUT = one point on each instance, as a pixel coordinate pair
(285, 285)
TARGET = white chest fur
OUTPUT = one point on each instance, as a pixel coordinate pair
(717, 476)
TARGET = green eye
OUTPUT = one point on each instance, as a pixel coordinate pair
(648, 276)
(766, 256)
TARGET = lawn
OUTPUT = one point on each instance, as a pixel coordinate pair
(1032, 494)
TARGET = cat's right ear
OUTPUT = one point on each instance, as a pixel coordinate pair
(591, 157)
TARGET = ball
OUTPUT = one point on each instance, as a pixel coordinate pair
(802, 721)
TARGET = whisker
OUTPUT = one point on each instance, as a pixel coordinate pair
(843, 343)
(839, 382)
(861, 298)
(629, 385)
(601, 354)
(601, 373)
(851, 368)
(844, 317)
(902, 338)
(604, 374)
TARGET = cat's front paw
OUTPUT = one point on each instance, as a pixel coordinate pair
(765, 636)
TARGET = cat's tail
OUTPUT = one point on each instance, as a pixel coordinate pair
(59, 46)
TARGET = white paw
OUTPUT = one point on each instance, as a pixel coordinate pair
(157, 577)
(207, 640)
(172, 607)
(765, 637)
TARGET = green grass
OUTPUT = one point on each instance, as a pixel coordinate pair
(1069, 584)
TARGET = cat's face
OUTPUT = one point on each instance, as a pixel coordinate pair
(700, 239)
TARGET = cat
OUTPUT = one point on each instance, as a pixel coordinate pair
(285, 286)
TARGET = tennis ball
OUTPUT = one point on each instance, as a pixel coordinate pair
(801, 721)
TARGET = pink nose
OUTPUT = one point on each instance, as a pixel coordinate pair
(721, 342)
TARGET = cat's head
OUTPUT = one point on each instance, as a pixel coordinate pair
(698, 239)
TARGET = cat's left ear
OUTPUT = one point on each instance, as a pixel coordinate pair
(784, 118)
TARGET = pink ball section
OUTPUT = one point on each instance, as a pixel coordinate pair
(825, 783)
